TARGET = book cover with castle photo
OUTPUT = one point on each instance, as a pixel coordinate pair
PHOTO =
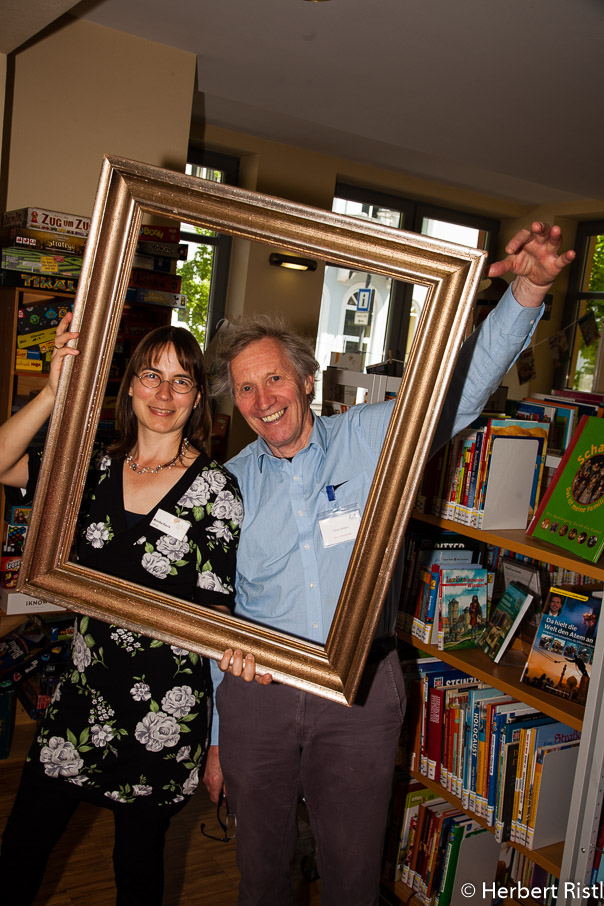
(561, 656)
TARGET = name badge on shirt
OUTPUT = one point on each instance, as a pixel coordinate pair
(340, 525)
(171, 525)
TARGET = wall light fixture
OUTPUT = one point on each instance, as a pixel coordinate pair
(283, 259)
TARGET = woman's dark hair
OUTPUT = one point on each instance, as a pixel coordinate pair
(188, 352)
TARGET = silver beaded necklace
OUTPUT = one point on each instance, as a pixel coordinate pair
(155, 469)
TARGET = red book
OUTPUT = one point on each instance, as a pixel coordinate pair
(434, 734)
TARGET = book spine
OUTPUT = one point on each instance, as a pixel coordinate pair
(435, 732)
(519, 782)
(473, 758)
(550, 488)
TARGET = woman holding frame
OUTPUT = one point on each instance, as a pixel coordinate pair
(128, 726)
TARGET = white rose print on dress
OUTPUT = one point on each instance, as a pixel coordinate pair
(178, 701)
(157, 730)
(60, 758)
(102, 462)
(99, 532)
(81, 652)
(140, 692)
(215, 479)
(142, 789)
(221, 531)
(197, 495)
(227, 507)
(172, 548)
(191, 783)
(101, 735)
(208, 579)
(156, 564)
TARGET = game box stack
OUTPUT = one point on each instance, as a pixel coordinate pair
(154, 280)
(41, 251)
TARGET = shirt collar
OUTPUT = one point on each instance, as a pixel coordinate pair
(318, 438)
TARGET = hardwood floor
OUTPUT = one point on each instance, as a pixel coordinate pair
(199, 871)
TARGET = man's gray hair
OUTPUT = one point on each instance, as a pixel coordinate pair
(240, 334)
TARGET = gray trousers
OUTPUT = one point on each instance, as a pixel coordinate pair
(277, 744)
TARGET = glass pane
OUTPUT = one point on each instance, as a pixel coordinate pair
(449, 232)
(354, 305)
(354, 316)
(196, 271)
(387, 216)
(590, 319)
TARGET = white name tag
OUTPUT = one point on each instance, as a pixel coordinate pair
(171, 525)
(340, 526)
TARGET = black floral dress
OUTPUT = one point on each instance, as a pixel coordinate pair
(129, 723)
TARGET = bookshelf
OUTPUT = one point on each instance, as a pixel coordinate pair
(570, 860)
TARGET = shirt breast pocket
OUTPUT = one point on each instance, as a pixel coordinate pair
(350, 491)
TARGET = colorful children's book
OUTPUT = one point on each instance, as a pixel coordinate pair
(560, 658)
(463, 606)
(571, 512)
(504, 620)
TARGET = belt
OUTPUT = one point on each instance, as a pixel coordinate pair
(381, 648)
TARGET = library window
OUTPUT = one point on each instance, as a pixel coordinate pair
(585, 310)
(204, 273)
(372, 314)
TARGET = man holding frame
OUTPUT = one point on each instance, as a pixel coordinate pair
(305, 482)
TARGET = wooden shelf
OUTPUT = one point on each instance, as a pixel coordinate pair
(30, 382)
(398, 893)
(504, 676)
(521, 543)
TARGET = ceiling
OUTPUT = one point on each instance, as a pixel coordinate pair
(504, 98)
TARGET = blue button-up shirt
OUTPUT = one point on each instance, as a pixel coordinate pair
(286, 577)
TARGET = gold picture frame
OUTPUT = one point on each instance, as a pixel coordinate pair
(127, 190)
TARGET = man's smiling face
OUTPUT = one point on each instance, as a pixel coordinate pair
(271, 397)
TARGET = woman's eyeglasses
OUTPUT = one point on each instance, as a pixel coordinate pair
(152, 381)
(227, 821)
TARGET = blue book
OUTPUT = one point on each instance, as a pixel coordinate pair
(471, 743)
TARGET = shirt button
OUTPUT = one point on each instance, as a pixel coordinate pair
(533, 321)
(315, 625)
(307, 547)
(300, 512)
(296, 478)
(312, 584)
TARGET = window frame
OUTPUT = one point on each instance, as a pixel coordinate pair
(413, 212)
(574, 296)
(229, 165)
